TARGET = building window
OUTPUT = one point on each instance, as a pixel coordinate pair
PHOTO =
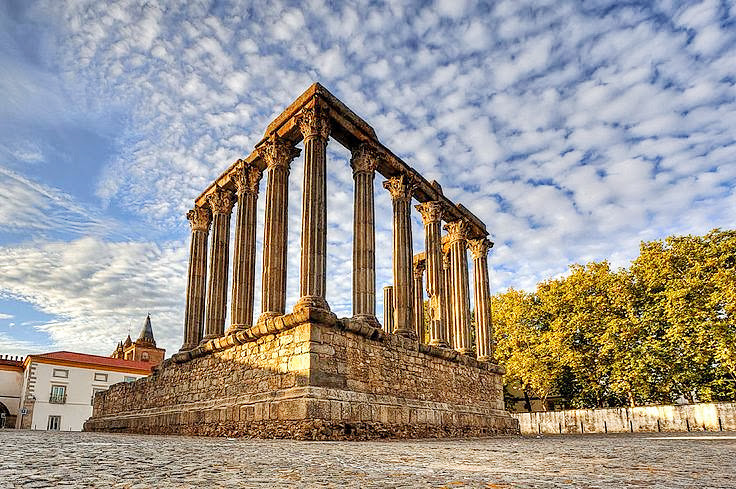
(95, 391)
(100, 377)
(61, 373)
(130, 379)
(54, 423)
(144, 356)
(58, 394)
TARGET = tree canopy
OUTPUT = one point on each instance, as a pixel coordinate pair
(661, 329)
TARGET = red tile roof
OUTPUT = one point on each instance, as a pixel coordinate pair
(96, 360)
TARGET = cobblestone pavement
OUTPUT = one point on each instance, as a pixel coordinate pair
(51, 459)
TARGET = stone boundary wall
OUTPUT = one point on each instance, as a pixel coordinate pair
(311, 380)
(670, 418)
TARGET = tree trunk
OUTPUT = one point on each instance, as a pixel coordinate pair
(527, 401)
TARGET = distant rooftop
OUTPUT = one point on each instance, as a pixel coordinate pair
(95, 360)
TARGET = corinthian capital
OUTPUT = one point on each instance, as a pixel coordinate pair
(220, 201)
(479, 247)
(431, 211)
(199, 218)
(314, 122)
(419, 267)
(246, 178)
(457, 230)
(278, 152)
(399, 187)
(364, 159)
(445, 261)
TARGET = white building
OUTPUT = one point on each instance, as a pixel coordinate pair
(11, 382)
(58, 387)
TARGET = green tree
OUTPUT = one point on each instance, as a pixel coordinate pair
(525, 344)
(661, 329)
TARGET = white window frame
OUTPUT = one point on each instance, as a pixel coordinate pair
(54, 423)
(61, 399)
(95, 390)
(60, 373)
(130, 379)
(100, 377)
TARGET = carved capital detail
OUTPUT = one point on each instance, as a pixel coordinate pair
(479, 247)
(246, 178)
(278, 152)
(399, 187)
(221, 201)
(364, 159)
(430, 211)
(457, 230)
(314, 122)
(199, 218)
(419, 267)
(445, 261)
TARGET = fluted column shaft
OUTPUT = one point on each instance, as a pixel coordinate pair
(400, 191)
(277, 154)
(482, 291)
(246, 180)
(460, 286)
(388, 308)
(364, 162)
(200, 220)
(446, 305)
(419, 300)
(221, 205)
(432, 217)
(315, 128)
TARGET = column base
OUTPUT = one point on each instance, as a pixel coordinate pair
(439, 343)
(265, 316)
(406, 333)
(485, 358)
(208, 337)
(187, 347)
(367, 318)
(311, 302)
(466, 352)
(234, 328)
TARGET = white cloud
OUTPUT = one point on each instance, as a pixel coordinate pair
(20, 348)
(574, 131)
(98, 290)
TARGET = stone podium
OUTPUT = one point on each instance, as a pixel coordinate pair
(307, 374)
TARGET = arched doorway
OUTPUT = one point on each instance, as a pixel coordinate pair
(5, 419)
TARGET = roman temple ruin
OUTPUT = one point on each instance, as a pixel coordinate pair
(306, 373)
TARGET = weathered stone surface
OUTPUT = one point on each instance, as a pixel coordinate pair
(316, 380)
(86, 460)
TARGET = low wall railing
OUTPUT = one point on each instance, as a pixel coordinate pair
(668, 418)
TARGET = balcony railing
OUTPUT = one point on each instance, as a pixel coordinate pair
(57, 399)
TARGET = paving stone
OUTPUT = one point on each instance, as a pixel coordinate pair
(36, 459)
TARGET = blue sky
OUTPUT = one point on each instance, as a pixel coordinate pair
(575, 130)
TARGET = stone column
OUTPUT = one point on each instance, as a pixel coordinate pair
(388, 308)
(246, 179)
(446, 304)
(277, 154)
(314, 125)
(432, 218)
(364, 162)
(400, 191)
(221, 205)
(200, 219)
(419, 300)
(482, 291)
(460, 287)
